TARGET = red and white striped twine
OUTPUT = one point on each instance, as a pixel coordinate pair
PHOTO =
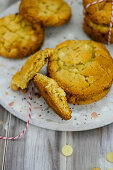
(71, 3)
(111, 22)
(90, 4)
(94, 2)
(23, 132)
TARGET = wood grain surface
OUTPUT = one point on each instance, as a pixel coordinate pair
(40, 149)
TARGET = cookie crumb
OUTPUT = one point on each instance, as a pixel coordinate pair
(40, 115)
(6, 93)
(38, 95)
(11, 104)
(94, 115)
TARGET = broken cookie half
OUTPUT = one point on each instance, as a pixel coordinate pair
(53, 95)
(32, 66)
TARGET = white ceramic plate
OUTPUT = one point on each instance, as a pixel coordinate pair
(83, 117)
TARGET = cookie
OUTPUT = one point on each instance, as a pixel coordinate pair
(83, 68)
(53, 95)
(48, 12)
(97, 20)
(99, 13)
(97, 32)
(18, 37)
(32, 66)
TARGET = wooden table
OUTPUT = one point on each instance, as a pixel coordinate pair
(40, 149)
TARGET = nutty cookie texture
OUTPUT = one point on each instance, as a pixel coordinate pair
(32, 66)
(48, 12)
(18, 37)
(97, 20)
(53, 95)
(83, 68)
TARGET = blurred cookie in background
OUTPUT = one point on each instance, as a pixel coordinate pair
(48, 12)
(18, 37)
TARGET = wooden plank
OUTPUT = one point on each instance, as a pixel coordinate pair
(62, 142)
(38, 149)
(42, 148)
(4, 119)
(90, 149)
(106, 146)
(69, 141)
(86, 150)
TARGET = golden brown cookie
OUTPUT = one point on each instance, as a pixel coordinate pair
(18, 37)
(32, 66)
(97, 32)
(83, 68)
(53, 95)
(48, 12)
(99, 13)
(97, 20)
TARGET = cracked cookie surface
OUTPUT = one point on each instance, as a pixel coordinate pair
(53, 95)
(18, 37)
(83, 68)
(32, 66)
(48, 12)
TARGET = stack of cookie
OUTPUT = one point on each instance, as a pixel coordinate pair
(23, 34)
(83, 68)
(97, 20)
